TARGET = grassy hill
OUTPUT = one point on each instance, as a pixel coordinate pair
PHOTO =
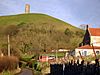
(37, 32)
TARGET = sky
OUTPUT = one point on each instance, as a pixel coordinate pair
(75, 12)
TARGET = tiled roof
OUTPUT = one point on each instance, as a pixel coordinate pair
(88, 47)
(94, 31)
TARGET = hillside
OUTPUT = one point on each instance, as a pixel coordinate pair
(37, 32)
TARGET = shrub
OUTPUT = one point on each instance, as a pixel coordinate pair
(68, 32)
(6, 73)
(8, 63)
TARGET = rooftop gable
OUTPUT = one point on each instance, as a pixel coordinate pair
(94, 31)
(88, 47)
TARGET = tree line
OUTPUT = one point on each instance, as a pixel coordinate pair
(30, 37)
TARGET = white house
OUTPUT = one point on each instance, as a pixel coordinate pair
(87, 50)
(94, 36)
(90, 41)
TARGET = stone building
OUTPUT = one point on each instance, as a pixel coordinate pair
(27, 8)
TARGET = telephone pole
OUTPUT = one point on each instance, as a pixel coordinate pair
(8, 45)
(56, 57)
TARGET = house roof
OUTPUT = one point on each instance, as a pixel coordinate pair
(94, 31)
(88, 47)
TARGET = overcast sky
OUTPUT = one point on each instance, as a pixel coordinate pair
(75, 12)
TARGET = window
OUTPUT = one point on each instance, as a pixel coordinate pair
(85, 53)
(97, 52)
(40, 57)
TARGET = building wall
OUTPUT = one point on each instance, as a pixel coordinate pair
(95, 40)
(43, 58)
(89, 52)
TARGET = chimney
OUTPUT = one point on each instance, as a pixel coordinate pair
(87, 26)
(27, 8)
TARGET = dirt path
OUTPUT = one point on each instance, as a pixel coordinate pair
(26, 71)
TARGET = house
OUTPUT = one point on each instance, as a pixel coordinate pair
(87, 50)
(90, 41)
(43, 58)
(92, 36)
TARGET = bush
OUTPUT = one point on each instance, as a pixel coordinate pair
(68, 32)
(25, 59)
(6, 73)
(8, 63)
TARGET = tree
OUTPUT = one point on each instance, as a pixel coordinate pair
(68, 32)
(11, 30)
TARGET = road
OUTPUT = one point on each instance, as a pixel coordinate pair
(26, 71)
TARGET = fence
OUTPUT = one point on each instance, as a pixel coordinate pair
(72, 68)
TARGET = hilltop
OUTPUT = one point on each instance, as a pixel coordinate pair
(37, 32)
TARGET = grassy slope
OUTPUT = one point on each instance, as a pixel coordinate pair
(40, 20)
(36, 19)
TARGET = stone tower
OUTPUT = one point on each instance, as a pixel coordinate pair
(27, 8)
